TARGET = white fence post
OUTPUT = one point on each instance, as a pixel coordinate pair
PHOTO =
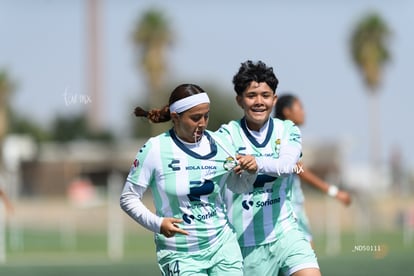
(115, 221)
(2, 234)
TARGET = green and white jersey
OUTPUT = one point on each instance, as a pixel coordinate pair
(297, 193)
(298, 203)
(264, 214)
(185, 185)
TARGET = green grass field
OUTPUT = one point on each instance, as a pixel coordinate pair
(43, 255)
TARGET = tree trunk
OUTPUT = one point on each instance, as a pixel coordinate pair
(156, 75)
(3, 126)
(158, 100)
(375, 132)
(3, 123)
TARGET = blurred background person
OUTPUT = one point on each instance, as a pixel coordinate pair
(6, 201)
(289, 107)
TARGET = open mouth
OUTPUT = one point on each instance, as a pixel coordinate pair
(258, 110)
(198, 133)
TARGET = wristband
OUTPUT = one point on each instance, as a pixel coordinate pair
(333, 191)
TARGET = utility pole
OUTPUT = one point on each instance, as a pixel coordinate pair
(94, 66)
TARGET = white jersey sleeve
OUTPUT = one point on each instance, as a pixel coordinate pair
(131, 203)
(289, 155)
(139, 179)
(144, 166)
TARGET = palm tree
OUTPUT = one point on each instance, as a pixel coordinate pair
(370, 53)
(6, 88)
(152, 36)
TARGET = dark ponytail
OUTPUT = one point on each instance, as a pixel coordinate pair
(154, 115)
(163, 114)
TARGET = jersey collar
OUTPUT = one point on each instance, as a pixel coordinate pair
(250, 136)
(213, 146)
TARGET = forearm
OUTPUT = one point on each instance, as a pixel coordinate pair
(313, 180)
(131, 203)
(284, 165)
(275, 167)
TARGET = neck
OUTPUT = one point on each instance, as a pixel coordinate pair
(186, 139)
(254, 127)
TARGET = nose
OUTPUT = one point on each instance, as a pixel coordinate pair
(258, 100)
(203, 122)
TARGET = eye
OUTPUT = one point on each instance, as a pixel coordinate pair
(196, 118)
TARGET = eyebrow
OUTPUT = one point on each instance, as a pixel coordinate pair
(200, 113)
(260, 92)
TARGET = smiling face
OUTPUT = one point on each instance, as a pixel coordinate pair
(257, 102)
(190, 124)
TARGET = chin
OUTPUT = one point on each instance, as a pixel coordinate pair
(259, 118)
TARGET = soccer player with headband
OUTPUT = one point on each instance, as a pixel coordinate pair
(186, 169)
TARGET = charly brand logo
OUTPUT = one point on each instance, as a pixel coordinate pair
(75, 98)
(241, 150)
(173, 163)
(247, 204)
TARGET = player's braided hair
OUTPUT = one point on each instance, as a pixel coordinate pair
(163, 114)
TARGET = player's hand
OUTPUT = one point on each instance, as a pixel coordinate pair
(246, 163)
(344, 197)
(169, 227)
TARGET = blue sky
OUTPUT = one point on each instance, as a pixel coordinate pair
(43, 45)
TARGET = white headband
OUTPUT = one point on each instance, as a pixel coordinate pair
(189, 102)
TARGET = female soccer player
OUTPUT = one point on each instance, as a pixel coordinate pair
(268, 234)
(289, 107)
(186, 169)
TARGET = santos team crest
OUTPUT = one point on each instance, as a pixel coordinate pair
(230, 163)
